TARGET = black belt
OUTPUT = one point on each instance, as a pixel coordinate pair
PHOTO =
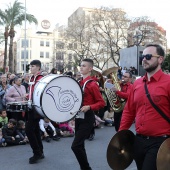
(152, 137)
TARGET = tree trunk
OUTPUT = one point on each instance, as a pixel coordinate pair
(11, 60)
(5, 50)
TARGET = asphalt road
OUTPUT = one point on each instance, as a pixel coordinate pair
(58, 154)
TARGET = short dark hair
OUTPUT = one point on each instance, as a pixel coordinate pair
(2, 111)
(36, 62)
(160, 51)
(16, 78)
(20, 123)
(53, 70)
(13, 121)
(130, 74)
(89, 61)
(69, 73)
(11, 81)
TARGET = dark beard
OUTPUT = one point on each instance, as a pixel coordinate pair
(152, 67)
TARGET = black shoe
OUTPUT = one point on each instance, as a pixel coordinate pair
(34, 159)
(56, 137)
(91, 137)
(42, 156)
(47, 139)
(22, 143)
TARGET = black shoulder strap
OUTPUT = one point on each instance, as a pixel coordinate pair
(153, 104)
(17, 90)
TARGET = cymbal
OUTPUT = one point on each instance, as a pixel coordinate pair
(120, 150)
(163, 156)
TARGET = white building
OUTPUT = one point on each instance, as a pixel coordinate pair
(39, 45)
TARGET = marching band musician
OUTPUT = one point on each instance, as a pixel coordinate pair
(126, 87)
(152, 129)
(32, 125)
(92, 101)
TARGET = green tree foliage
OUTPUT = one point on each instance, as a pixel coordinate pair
(166, 63)
(14, 15)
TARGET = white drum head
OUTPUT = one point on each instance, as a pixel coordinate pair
(61, 98)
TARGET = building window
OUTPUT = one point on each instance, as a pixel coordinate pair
(59, 56)
(59, 45)
(22, 65)
(75, 45)
(70, 46)
(23, 43)
(30, 43)
(70, 57)
(47, 43)
(30, 54)
(41, 54)
(23, 54)
(47, 55)
(41, 43)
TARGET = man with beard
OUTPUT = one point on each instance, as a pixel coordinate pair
(151, 128)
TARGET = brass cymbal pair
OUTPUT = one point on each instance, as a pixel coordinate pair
(120, 151)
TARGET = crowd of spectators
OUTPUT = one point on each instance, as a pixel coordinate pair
(14, 88)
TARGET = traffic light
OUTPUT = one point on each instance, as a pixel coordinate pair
(27, 67)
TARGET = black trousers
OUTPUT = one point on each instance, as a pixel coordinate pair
(83, 129)
(117, 120)
(145, 152)
(15, 115)
(12, 142)
(33, 133)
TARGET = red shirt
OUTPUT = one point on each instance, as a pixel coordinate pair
(125, 90)
(92, 95)
(147, 120)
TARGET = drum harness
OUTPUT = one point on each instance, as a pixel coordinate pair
(83, 87)
(30, 89)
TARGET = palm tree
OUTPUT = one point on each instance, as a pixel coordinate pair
(4, 21)
(14, 16)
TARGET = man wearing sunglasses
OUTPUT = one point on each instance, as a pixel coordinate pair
(151, 128)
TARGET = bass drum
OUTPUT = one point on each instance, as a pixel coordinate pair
(57, 97)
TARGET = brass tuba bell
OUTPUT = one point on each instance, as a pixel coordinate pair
(115, 101)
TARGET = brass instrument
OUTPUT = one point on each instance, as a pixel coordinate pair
(115, 101)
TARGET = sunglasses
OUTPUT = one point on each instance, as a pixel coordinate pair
(149, 56)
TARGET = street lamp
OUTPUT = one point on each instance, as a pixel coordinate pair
(137, 48)
(25, 42)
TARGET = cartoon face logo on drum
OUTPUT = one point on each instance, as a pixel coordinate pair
(64, 99)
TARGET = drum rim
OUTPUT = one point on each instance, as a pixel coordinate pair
(20, 102)
(55, 77)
